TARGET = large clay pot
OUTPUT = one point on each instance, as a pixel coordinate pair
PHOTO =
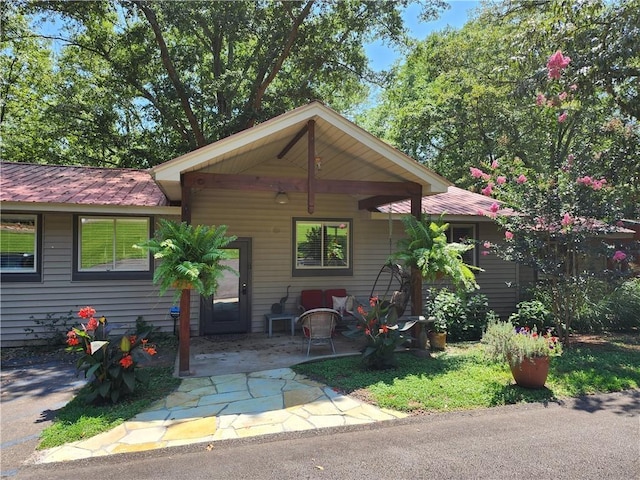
(531, 372)
(437, 340)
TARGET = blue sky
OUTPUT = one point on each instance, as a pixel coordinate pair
(382, 57)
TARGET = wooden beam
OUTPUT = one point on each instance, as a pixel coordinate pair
(293, 141)
(311, 166)
(392, 191)
(186, 200)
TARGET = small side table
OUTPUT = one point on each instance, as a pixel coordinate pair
(270, 317)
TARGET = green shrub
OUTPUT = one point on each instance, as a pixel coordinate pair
(621, 308)
(532, 313)
(465, 316)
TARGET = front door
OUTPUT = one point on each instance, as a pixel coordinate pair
(227, 311)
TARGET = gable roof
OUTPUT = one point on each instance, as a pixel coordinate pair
(454, 202)
(47, 186)
(347, 152)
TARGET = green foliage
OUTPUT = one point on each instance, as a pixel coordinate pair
(611, 308)
(134, 83)
(190, 255)
(505, 342)
(110, 365)
(532, 313)
(466, 96)
(426, 247)
(463, 316)
(382, 333)
(53, 328)
(461, 378)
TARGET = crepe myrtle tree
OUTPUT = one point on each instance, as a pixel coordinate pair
(557, 223)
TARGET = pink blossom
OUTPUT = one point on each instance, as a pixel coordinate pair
(508, 235)
(541, 99)
(562, 117)
(563, 96)
(488, 190)
(476, 172)
(556, 63)
(480, 212)
(619, 256)
(566, 220)
(484, 253)
(486, 244)
(501, 180)
(486, 176)
(598, 184)
(574, 87)
(494, 164)
(494, 207)
(586, 180)
(521, 179)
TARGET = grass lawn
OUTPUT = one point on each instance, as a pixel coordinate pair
(461, 378)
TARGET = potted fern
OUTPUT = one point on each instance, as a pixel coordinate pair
(426, 247)
(191, 256)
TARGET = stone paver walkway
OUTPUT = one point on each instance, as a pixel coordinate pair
(209, 409)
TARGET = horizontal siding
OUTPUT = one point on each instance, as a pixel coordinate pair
(252, 215)
(120, 301)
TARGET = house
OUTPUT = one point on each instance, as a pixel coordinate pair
(301, 192)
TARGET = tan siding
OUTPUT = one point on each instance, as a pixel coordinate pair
(269, 225)
(120, 301)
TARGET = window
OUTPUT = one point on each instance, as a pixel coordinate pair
(464, 234)
(104, 248)
(322, 247)
(20, 247)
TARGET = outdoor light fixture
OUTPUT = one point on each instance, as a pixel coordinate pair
(282, 198)
(175, 314)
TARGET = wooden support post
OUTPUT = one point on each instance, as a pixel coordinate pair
(185, 320)
(416, 276)
(185, 296)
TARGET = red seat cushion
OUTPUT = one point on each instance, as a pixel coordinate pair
(311, 299)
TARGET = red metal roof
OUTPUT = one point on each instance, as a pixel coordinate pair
(456, 201)
(33, 183)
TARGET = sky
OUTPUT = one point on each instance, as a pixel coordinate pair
(382, 57)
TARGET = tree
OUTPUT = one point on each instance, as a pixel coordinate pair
(170, 77)
(555, 222)
(466, 97)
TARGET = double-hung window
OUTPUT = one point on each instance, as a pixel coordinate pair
(322, 247)
(20, 247)
(104, 248)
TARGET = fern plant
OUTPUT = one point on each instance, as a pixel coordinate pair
(191, 256)
(426, 247)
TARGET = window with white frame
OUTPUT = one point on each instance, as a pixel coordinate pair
(464, 233)
(20, 247)
(104, 247)
(322, 247)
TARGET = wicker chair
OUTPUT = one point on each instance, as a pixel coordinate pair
(318, 325)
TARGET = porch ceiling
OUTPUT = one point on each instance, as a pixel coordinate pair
(345, 152)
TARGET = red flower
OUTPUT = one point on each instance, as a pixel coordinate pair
(384, 329)
(92, 324)
(373, 301)
(87, 312)
(150, 350)
(72, 338)
(126, 361)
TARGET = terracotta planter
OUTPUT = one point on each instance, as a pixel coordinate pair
(531, 372)
(437, 340)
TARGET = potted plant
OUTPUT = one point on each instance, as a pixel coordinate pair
(527, 351)
(191, 256)
(438, 333)
(427, 248)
